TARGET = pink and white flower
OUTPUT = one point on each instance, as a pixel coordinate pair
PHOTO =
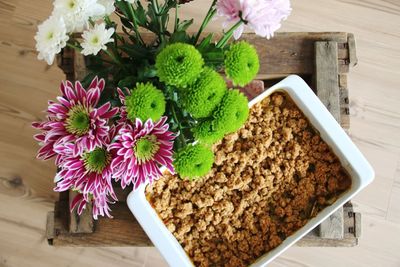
(141, 150)
(123, 94)
(90, 174)
(75, 119)
(262, 16)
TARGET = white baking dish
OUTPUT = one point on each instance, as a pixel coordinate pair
(351, 158)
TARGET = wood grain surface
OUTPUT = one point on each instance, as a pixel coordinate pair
(327, 88)
(26, 184)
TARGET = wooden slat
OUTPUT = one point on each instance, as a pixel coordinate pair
(122, 230)
(80, 223)
(326, 76)
(350, 238)
(332, 227)
(83, 223)
(74, 67)
(80, 70)
(352, 50)
(292, 52)
(50, 230)
(65, 61)
(357, 225)
(327, 86)
(289, 53)
(344, 102)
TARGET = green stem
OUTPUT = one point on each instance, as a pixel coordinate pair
(176, 17)
(181, 141)
(156, 8)
(113, 57)
(107, 20)
(210, 14)
(116, 37)
(92, 23)
(228, 35)
(77, 48)
(135, 26)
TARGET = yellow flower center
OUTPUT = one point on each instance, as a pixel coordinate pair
(146, 147)
(95, 40)
(78, 121)
(96, 160)
(50, 35)
(71, 4)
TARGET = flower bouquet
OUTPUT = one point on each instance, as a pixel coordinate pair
(145, 104)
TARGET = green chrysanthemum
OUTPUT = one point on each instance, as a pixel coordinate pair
(145, 101)
(193, 161)
(231, 113)
(206, 133)
(241, 63)
(179, 64)
(201, 97)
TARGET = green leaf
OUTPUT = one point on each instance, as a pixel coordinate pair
(179, 37)
(168, 5)
(150, 13)
(213, 56)
(127, 23)
(128, 82)
(150, 71)
(205, 43)
(122, 7)
(135, 51)
(141, 14)
(184, 25)
(164, 20)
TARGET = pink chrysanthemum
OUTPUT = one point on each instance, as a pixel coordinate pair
(123, 113)
(263, 16)
(75, 119)
(141, 150)
(90, 174)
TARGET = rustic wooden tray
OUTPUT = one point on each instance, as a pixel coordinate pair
(322, 59)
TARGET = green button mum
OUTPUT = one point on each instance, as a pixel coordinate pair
(201, 97)
(179, 64)
(193, 161)
(206, 133)
(231, 113)
(241, 63)
(145, 102)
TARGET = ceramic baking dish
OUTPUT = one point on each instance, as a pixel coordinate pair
(331, 132)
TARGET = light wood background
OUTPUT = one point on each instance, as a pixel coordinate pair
(26, 184)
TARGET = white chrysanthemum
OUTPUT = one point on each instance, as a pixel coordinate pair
(76, 13)
(50, 38)
(108, 6)
(96, 39)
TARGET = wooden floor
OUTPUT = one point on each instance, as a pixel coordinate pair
(26, 184)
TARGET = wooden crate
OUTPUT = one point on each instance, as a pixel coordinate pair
(322, 59)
